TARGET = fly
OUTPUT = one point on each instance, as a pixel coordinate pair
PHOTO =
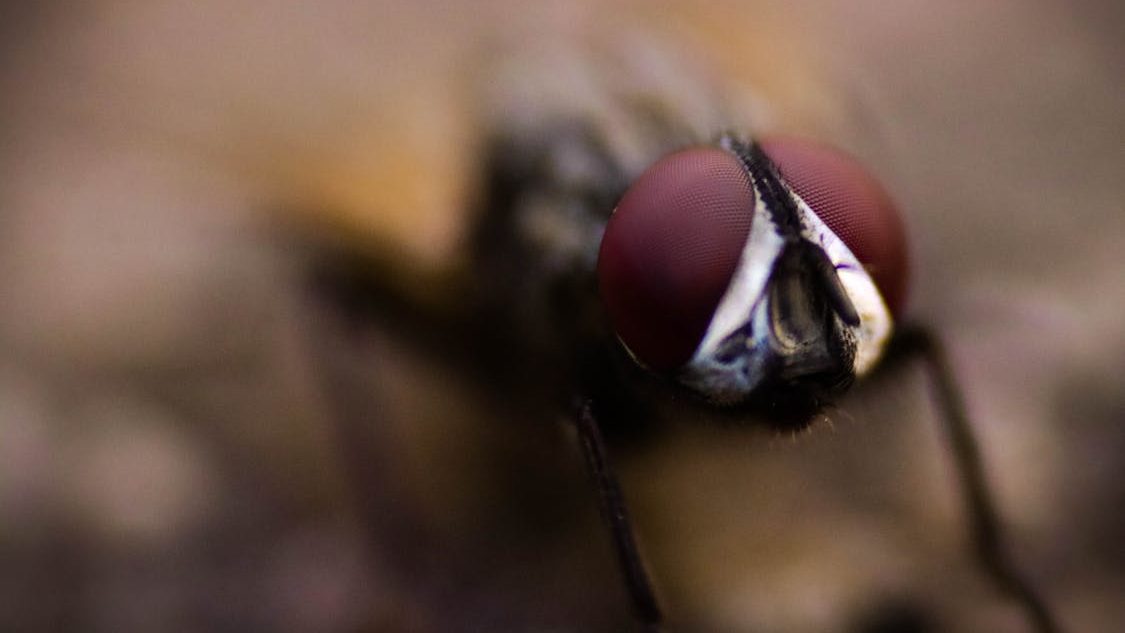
(642, 261)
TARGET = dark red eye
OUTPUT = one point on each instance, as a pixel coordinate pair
(671, 247)
(853, 204)
(670, 250)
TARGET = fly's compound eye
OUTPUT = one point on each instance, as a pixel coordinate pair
(853, 204)
(670, 250)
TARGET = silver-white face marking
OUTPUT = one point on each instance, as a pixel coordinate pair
(742, 319)
(875, 321)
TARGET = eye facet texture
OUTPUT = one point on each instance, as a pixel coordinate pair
(853, 204)
(670, 250)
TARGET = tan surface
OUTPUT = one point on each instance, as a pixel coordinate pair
(164, 458)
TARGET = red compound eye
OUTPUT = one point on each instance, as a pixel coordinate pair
(853, 204)
(674, 242)
(670, 250)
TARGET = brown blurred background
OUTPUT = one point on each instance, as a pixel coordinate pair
(168, 459)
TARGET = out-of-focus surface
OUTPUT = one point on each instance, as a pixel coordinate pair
(167, 454)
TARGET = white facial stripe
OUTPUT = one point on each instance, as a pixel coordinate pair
(732, 380)
(744, 301)
(763, 246)
(875, 322)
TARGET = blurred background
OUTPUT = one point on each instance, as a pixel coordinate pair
(170, 456)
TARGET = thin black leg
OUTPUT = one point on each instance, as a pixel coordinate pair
(980, 506)
(616, 517)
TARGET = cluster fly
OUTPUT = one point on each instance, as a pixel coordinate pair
(634, 243)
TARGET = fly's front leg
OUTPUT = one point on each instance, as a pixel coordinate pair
(548, 194)
(616, 517)
(554, 174)
(980, 504)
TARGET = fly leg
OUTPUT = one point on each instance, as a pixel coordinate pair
(617, 520)
(980, 505)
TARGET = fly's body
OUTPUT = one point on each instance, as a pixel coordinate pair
(797, 319)
(778, 320)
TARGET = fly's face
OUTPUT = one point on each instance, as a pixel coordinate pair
(759, 274)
